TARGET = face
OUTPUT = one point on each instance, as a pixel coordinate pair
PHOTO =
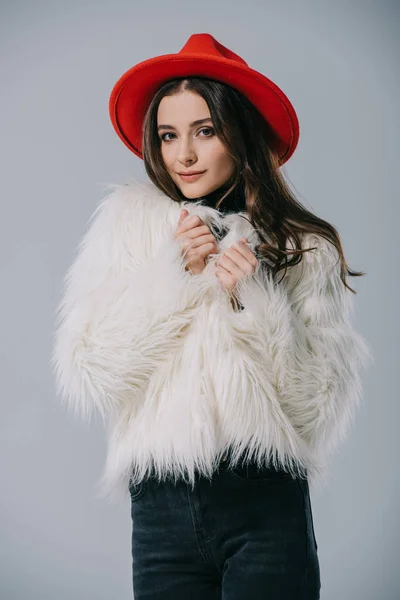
(189, 143)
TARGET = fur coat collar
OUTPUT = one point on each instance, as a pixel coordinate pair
(178, 375)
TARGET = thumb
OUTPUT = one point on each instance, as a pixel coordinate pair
(183, 215)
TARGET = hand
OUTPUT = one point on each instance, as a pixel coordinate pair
(196, 240)
(235, 263)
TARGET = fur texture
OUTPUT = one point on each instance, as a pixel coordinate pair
(176, 374)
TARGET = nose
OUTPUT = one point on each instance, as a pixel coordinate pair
(186, 154)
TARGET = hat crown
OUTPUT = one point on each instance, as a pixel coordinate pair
(206, 44)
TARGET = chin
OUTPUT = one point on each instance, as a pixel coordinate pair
(191, 190)
(191, 193)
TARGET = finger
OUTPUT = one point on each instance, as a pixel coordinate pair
(244, 250)
(225, 277)
(184, 213)
(207, 246)
(189, 222)
(236, 263)
(230, 265)
(198, 231)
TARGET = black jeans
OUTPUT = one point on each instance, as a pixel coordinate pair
(247, 534)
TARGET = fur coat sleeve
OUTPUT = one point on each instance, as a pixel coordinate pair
(126, 303)
(301, 329)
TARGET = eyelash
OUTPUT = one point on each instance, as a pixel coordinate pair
(203, 128)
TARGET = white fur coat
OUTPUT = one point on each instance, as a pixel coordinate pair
(176, 373)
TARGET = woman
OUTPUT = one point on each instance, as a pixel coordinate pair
(206, 318)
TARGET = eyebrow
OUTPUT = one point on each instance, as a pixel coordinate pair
(193, 124)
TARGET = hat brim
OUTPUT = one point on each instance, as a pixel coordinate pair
(133, 92)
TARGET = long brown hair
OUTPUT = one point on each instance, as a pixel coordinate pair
(273, 209)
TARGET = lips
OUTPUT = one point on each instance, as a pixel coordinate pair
(192, 177)
(188, 173)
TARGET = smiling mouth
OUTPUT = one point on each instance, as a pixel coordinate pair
(190, 172)
(191, 177)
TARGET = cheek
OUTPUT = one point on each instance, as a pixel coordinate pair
(166, 155)
(221, 159)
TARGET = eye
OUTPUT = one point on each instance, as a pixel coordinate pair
(211, 129)
(162, 137)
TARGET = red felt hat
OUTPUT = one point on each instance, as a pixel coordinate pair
(203, 56)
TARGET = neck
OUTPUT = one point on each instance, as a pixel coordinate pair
(234, 202)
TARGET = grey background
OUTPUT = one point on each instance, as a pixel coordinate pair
(59, 61)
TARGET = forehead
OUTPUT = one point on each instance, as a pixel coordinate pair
(183, 108)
